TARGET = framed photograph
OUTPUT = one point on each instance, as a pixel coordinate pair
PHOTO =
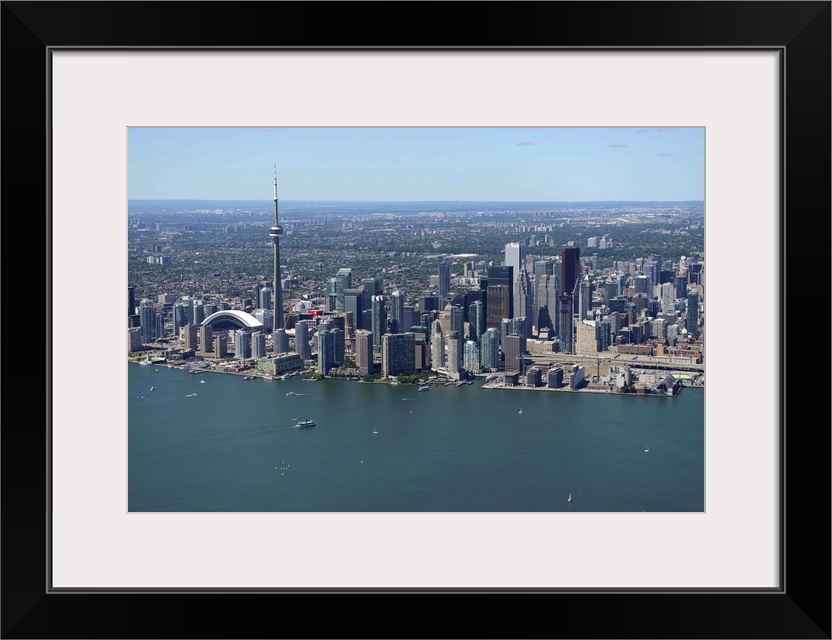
(566, 371)
(82, 79)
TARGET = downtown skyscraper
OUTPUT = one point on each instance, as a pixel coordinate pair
(379, 321)
(444, 280)
(500, 299)
(515, 256)
(397, 323)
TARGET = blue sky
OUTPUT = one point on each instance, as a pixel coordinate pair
(509, 164)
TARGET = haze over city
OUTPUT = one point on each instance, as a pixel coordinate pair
(418, 164)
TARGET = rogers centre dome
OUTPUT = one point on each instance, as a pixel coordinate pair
(232, 319)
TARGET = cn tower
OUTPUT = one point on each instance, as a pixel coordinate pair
(274, 233)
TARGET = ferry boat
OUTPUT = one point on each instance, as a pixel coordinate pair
(306, 423)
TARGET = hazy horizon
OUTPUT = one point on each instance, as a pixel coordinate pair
(418, 164)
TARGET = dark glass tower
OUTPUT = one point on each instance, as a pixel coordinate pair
(499, 295)
(499, 305)
(571, 268)
(692, 320)
(444, 280)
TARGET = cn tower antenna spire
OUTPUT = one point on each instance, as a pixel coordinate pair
(275, 232)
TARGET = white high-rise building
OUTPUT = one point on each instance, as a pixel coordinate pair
(471, 357)
(437, 346)
(515, 256)
(454, 360)
(586, 337)
(668, 296)
(264, 298)
(397, 312)
(258, 344)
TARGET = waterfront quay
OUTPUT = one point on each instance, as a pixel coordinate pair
(600, 373)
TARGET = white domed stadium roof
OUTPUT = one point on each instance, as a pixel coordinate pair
(233, 317)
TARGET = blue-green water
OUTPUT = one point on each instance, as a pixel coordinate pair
(216, 442)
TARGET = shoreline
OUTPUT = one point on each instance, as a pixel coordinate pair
(600, 392)
(432, 381)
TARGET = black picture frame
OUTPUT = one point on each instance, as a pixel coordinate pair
(799, 31)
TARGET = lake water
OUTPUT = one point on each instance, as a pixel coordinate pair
(217, 443)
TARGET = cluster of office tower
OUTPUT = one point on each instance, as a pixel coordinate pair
(487, 320)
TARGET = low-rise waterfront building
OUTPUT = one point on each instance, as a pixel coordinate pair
(279, 364)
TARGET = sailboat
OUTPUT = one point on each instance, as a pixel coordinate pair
(569, 499)
(375, 431)
(521, 411)
(647, 450)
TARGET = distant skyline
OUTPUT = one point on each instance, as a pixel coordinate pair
(418, 163)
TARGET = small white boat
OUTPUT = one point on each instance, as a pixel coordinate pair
(268, 377)
(569, 499)
(375, 431)
(291, 393)
(521, 411)
(153, 388)
(202, 382)
(647, 450)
